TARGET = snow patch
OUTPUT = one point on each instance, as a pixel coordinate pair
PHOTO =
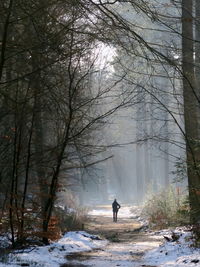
(54, 254)
(124, 212)
(174, 253)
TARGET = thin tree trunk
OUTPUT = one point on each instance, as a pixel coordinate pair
(4, 38)
(11, 209)
(26, 181)
(39, 137)
(54, 180)
(140, 157)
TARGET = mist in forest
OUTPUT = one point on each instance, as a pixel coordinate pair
(135, 171)
(143, 138)
(141, 147)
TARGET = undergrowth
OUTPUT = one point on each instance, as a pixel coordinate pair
(71, 216)
(170, 207)
(71, 219)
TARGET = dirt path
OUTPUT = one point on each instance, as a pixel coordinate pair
(126, 247)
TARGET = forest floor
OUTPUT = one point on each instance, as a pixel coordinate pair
(127, 242)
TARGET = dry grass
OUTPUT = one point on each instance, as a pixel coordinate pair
(167, 208)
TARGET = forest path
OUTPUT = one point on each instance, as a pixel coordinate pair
(127, 243)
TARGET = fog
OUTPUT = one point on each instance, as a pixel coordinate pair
(143, 138)
(138, 168)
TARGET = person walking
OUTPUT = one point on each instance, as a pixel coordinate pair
(115, 208)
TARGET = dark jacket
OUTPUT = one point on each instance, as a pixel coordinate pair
(115, 206)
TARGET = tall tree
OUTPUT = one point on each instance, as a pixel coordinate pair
(191, 103)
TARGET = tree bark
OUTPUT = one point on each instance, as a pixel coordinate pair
(197, 56)
(4, 38)
(190, 110)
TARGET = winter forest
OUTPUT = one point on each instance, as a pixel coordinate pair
(99, 99)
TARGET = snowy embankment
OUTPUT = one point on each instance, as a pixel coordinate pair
(54, 254)
(174, 253)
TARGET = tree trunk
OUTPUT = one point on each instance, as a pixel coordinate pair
(3, 45)
(197, 55)
(190, 110)
(140, 153)
(39, 138)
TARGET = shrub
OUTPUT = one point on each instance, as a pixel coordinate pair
(71, 219)
(167, 208)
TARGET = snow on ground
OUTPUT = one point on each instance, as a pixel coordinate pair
(54, 254)
(124, 212)
(180, 253)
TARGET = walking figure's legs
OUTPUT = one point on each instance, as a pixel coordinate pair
(116, 216)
